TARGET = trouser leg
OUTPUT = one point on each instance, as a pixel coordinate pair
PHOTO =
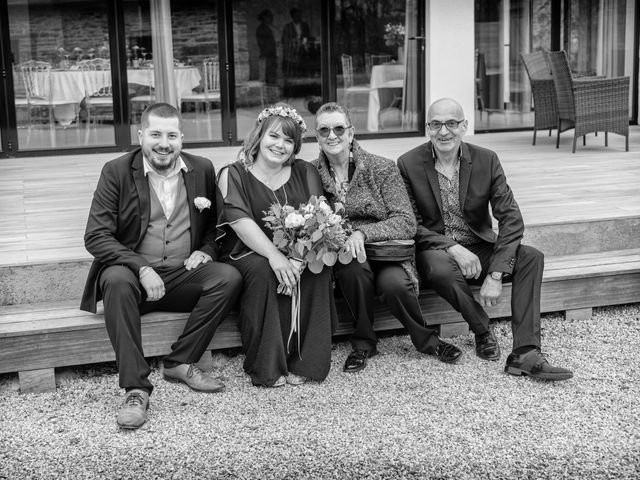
(356, 282)
(396, 291)
(440, 272)
(209, 291)
(121, 293)
(526, 281)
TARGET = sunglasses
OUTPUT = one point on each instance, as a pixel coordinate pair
(326, 131)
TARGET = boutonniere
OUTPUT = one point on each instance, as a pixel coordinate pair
(201, 203)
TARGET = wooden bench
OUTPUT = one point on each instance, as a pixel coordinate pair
(37, 338)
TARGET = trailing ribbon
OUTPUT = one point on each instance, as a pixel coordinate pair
(295, 307)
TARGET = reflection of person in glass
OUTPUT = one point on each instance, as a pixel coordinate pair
(376, 203)
(265, 173)
(295, 42)
(267, 48)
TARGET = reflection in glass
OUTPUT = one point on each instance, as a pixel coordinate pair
(49, 43)
(377, 64)
(277, 58)
(194, 25)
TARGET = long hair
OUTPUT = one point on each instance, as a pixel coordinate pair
(251, 143)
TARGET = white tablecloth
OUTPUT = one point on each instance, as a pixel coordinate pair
(67, 85)
(382, 76)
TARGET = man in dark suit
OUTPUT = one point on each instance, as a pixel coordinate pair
(451, 185)
(151, 229)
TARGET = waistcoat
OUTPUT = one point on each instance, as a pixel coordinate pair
(167, 242)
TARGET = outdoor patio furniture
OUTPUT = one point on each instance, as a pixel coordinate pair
(589, 104)
(545, 102)
(350, 89)
(210, 86)
(96, 77)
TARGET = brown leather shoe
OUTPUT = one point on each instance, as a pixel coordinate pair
(133, 411)
(193, 377)
(534, 364)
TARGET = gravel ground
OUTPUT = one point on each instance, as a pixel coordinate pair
(404, 416)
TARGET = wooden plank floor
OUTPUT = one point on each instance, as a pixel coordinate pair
(44, 201)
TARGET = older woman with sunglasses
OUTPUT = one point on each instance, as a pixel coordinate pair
(378, 208)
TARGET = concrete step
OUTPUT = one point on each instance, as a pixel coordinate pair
(64, 280)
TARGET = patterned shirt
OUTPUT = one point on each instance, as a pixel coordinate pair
(455, 226)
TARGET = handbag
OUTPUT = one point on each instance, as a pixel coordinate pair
(390, 250)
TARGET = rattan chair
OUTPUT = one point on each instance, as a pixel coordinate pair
(589, 104)
(545, 102)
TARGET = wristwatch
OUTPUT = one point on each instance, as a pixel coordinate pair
(496, 275)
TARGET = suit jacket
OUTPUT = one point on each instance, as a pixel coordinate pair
(120, 211)
(482, 184)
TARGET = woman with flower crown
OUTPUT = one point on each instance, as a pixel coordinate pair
(267, 172)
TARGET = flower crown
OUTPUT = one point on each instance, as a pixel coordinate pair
(283, 112)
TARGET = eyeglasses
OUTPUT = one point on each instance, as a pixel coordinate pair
(451, 125)
(338, 130)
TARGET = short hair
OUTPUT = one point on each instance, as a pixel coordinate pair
(331, 107)
(251, 143)
(162, 110)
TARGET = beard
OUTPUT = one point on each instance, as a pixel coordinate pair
(163, 160)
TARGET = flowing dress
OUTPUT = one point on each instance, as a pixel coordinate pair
(265, 316)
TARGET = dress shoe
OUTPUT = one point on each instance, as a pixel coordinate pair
(295, 380)
(446, 352)
(133, 411)
(487, 347)
(193, 377)
(534, 364)
(357, 360)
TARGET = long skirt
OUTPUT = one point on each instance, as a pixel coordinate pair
(265, 322)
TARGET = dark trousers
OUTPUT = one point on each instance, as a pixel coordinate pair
(440, 272)
(359, 284)
(208, 291)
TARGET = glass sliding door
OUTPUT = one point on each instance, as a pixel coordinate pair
(172, 56)
(194, 26)
(376, 59)
(502, 32)
(277, 56)
(603, 45)
(61, 74)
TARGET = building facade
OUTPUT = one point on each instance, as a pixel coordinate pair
(76, 74)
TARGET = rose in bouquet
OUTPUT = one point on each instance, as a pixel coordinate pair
(311, 236)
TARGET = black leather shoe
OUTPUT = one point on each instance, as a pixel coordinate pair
(487, 347)
(445, 352)
(357, 360)
(534, 364)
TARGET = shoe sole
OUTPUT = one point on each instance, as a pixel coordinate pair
(131, 427)
(542, 376)
(177, 380)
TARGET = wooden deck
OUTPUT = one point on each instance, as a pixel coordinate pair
(582, 210)
(44, 201)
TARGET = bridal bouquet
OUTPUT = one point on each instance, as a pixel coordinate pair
(311, 236)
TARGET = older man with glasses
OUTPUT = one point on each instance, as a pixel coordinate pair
(451, 185)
